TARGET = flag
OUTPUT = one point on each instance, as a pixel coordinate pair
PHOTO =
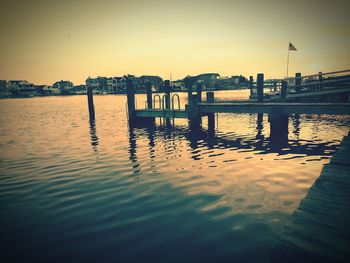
(291, 47)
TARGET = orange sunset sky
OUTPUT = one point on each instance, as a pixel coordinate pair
(46, 41)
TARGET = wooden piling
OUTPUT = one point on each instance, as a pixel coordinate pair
(284, 87)
(90, 103)
(199, 92)
(193, 111)
(278, 128)
(260, 87)
(167, 91)
(149, 95)
(251, 86)
(211, 116)
(188, 85)
(297, 82)
(130, 99)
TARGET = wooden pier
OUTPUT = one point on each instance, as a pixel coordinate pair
(287, 102)
(319, 230)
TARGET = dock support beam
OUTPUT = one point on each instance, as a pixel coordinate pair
(130, 94)
(167, 93)
(194, 114)
(188, 86)
(199, 92)
(90, 103)
(211, 116)
(278, 128)
(297, 82)
(251, 86)
(260, 86)
(284, 86)
(149, 95)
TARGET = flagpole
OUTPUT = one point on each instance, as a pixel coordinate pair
(288, 61)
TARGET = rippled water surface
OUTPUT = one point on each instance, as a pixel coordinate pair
(81, 191)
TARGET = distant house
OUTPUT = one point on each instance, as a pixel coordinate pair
(21, 88)
(99, 84)
(208, 77)
(79, 89)
(233, 82)
(43, 90)
(178, 85)
(239, 79)
(19, 84)
(209, 80)
(3, 84)
(121, 82)
(64, 86)
(4, 89)
(156, 82)
(110, 86)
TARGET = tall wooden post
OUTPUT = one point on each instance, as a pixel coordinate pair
(297, 82)
(167, 99)
(284, 86)
(251, 86)
(194, 114)
(211, 116)
(167, 93)
(149, 95)
(278, 128)
(199, 92)
(188, 86)
(90, 103)
(260, 86)
(130, 93)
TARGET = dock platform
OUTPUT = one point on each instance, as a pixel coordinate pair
(319, 230)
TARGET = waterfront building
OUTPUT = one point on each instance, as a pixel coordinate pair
(4, 90)
(43, 90)
(64, 86)
(21, 88)
(155, 81)
(79, 89)
(98, 85)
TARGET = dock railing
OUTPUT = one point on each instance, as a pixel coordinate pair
(304, 84)
(320, 81)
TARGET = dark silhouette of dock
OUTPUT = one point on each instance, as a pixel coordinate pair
(319, 230)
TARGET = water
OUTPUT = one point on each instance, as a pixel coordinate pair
(71, 190)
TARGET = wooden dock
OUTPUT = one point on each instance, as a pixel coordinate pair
(319, 230)
(324, 92)
(283, 107)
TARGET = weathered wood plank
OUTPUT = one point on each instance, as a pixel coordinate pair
(319, 230)
(161, 113)
(287, 108)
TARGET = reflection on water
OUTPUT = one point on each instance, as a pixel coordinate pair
(94, 138)
(200, 138)
(158, 193)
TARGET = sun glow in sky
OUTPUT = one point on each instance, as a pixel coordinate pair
(46, 41)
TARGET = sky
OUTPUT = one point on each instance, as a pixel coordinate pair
(47, 41)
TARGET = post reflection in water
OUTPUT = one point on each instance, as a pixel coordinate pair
(296, 125)
(132, 150)
(93, 135)
(278, 141)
